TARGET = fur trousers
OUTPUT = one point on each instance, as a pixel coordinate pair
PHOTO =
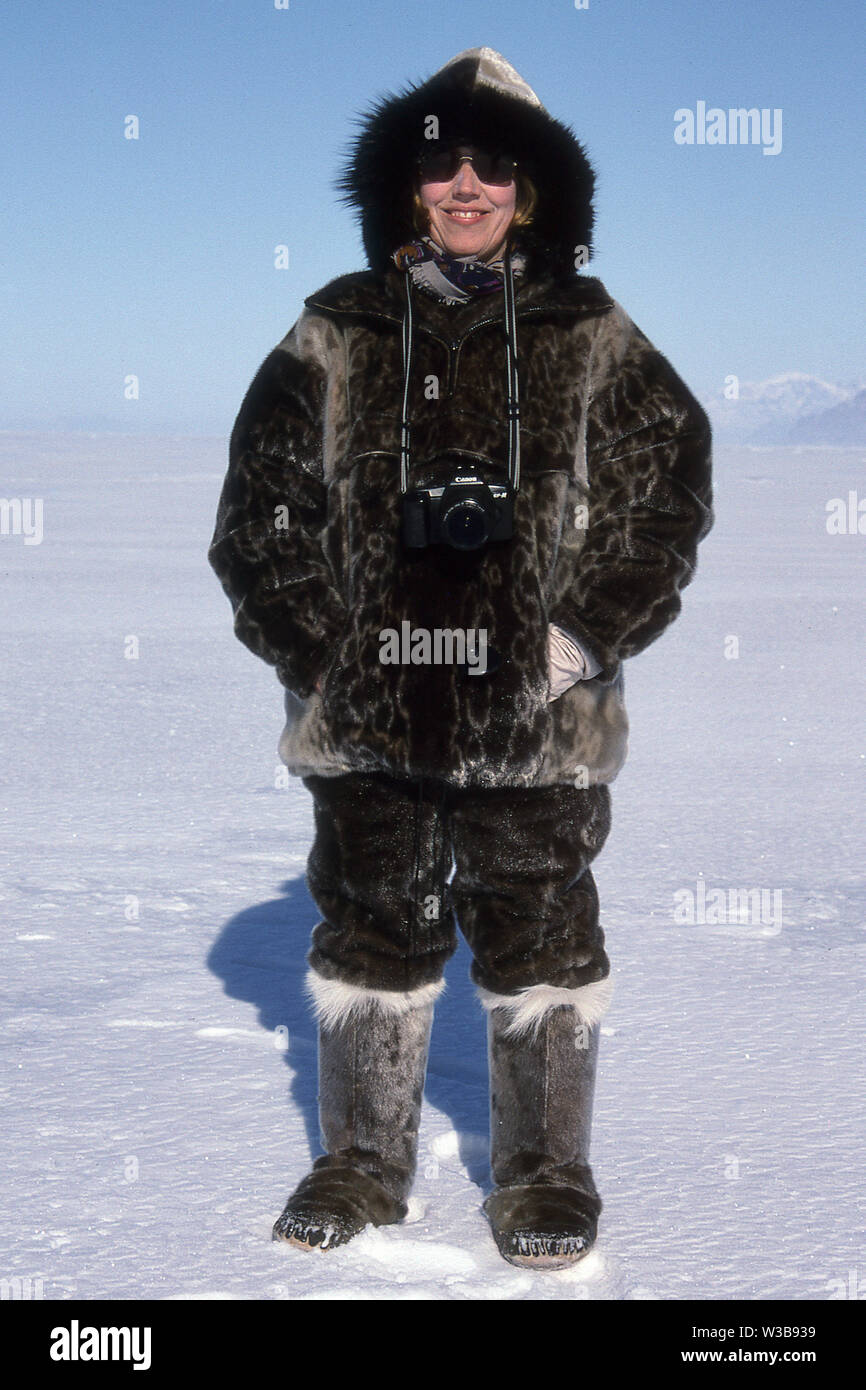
(522, 890)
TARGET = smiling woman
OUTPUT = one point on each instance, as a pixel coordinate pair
(467, 200)
(465, 216)
(469, 436)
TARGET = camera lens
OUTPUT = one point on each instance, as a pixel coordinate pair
(465, 525)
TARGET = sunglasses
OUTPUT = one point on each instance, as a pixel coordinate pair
(440, 166)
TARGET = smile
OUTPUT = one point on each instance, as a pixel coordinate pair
(466, 216)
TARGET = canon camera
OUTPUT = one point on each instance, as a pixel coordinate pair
(465, 513)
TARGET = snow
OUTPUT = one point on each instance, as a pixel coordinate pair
(159, 1054)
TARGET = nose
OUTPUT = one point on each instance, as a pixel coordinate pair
(466, 182)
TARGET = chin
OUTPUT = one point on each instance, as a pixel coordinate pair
(465, 249)
(465, 245)
(471, 241)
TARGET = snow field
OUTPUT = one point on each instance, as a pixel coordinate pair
(158, 1052)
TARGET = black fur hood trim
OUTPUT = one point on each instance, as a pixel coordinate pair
(477, 96)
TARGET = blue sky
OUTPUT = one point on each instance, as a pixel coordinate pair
(155, 256)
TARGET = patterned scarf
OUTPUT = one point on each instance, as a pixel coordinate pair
(454, 279)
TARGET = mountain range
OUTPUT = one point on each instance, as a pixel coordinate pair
(793, 408)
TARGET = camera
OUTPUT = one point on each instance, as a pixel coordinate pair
(465, 513)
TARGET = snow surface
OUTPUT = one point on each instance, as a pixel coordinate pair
(159, 1054)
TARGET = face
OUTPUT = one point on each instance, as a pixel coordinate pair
(468, 217)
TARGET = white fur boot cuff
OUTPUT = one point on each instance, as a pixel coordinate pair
(334, 1002)
(528, 1007)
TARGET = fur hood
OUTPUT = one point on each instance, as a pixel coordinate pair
(477, 96)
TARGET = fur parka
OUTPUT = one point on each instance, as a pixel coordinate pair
(614, 494)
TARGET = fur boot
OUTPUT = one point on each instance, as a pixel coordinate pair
(545, 1208)
(373, 1049)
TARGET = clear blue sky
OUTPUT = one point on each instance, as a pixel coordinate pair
(155, 256)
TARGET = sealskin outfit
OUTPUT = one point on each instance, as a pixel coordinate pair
(383, 384)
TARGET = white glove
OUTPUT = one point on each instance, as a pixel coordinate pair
(568, 662)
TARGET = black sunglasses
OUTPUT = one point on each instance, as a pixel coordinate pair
(440, 166)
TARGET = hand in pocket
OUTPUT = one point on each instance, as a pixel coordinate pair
(565, 661)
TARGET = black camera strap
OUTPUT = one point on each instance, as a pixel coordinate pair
(511, 383)
(405, 424)
(511, 380)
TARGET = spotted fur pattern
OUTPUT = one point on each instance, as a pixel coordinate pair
(615, 488)
(615, 495)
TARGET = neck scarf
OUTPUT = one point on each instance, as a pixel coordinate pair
(454, 279)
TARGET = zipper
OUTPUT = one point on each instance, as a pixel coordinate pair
(376, 314)
(456, 344)
(453, 347)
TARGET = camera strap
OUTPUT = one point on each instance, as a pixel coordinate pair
(405, 424)
(511, 380)
(511, 383)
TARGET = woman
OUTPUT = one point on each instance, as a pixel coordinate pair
(461, 492)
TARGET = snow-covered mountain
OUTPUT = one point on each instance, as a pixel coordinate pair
(840, 425)
(771, 412)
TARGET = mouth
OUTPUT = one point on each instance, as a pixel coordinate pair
(465, 218)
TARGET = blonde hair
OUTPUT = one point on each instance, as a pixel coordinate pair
(525, 203)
